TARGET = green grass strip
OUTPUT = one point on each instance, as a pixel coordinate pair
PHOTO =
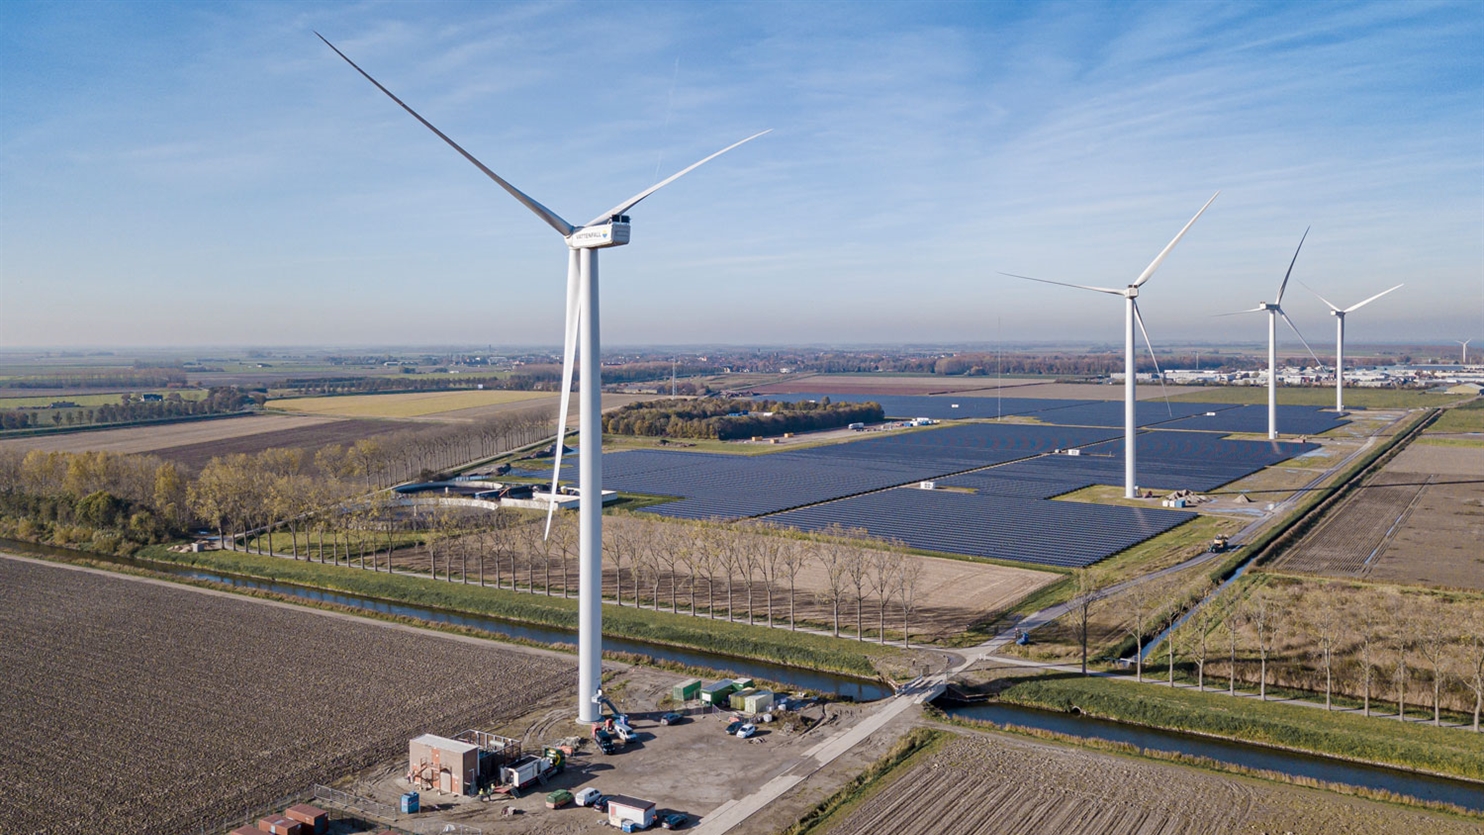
(1442, 751)
(797, 649)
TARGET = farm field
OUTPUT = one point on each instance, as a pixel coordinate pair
(882, 384)
(194, 706)
(407, 404)
(298, 437)
(1419, 520)
(1087, 391)
(151, 438)
(1324, 396)
(1006, 785)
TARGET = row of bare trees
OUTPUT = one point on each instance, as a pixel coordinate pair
(1359, 642)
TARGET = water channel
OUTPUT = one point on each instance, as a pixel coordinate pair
(1457, 792)
(848, 687)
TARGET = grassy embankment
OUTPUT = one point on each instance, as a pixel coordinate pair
(1444, 751)
(920, 743)
(797, 649)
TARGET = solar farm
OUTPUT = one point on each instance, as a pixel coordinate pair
(998, 477)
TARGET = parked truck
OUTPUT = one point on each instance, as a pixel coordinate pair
(532, 769)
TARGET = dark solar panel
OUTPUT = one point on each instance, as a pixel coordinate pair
(1292, 420)
(1110, 413)
(1167, 461)
(1068, 534)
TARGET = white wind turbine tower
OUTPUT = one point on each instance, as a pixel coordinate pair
(1340, 340)
(1274, 310)
(1464, 343)
(1131, 316)
(611, 228)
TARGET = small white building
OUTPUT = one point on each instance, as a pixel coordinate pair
(622, 808)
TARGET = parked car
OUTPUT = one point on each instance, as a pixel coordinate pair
(746, 730)
(736, 725)
(601, 804)
(671, 718)
(675, 820)
(586, 796)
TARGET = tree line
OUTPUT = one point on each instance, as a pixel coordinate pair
(725, 419)
(1358, 643)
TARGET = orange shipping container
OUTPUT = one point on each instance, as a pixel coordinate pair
(315, 820)
(279, 825)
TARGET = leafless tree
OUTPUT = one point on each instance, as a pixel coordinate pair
(1325, 626)
(769, 547)
(616, 548)
(564, 545)
(1264, 613)
(907, 588)
(885, 570)
(728, 558)
(1434, 637)
(796, 556)
(1400, 615)
(857, 570)
(1233, 619)
(834, 561)
(1087, 597)
(1198, 628)
(1368, 622)
(1140, 603)
(1472, 652)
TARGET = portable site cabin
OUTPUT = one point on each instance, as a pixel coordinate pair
(758, 701)
(738, 700)
(622, 808)
(686, 690)
(716, 694)
(445, 765)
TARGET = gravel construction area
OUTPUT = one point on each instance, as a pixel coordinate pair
(1004, 785)
(136, 706)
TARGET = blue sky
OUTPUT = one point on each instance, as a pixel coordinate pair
(211, 174)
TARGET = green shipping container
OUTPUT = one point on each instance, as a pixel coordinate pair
(738, 700)
(742, 683)
(686, 690)
(716, 694)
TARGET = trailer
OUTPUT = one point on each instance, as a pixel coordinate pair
(630, 813)
(531, 769)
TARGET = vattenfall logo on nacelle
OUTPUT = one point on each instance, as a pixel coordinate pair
(609, 234)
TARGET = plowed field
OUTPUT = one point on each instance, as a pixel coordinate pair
(991, 784)
(135, 707)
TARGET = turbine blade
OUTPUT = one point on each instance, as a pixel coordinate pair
(1160, 259)
(1331, 305)
(1284, 285)
(633, 201)
(552, 218)
(1139, 317)
(569, 350)
(1239, 312)
(1299, 335)
(1372, 298)
(1065, 284)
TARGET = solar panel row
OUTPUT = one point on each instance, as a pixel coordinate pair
(1292, 420)
(945, 407)
(1068, 534)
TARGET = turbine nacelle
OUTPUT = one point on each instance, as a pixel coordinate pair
(613, 233)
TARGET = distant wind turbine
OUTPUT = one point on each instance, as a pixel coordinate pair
(611, 228)
(1274, 310)
(1340, 340)
(1131, 316)
(1464, 359)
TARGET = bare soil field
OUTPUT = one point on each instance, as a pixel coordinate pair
(1005, 785)
(1086, 391)
(408, 404)
(1418, 521)
(152, 438)
(136, 706)
(1439, 543)
(301, 437)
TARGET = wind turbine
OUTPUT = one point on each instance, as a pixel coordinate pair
(611, 228)
(1340, 340)
(1274, 310)
(1464, 344)
(1131, 315)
